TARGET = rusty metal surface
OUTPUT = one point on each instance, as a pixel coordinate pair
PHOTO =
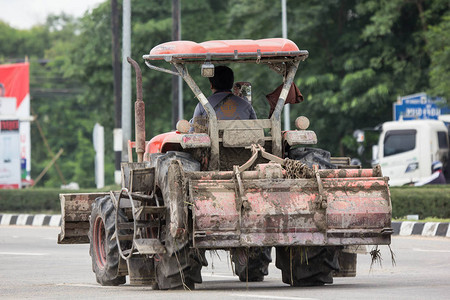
(137, 176)
(139, 112)
(284, 212)
(75, 213)
(243, 137)
(149, 246)
(300, 137)
(198, 140)
(141, 270)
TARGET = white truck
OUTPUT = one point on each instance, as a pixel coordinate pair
(406, 149)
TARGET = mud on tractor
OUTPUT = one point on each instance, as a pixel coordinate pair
(242, 185)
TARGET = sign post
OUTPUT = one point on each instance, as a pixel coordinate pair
(419, 107)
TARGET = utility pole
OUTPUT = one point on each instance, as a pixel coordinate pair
(287, 108)
(177, 107)
(117, 85)
(126, 79)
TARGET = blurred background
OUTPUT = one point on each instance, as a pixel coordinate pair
(363, 55)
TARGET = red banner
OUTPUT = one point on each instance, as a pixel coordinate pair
(15, 80)
(15, 143)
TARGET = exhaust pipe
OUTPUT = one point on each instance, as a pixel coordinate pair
(139, 112)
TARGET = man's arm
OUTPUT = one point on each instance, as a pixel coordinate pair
(252, 114)
(199, 114)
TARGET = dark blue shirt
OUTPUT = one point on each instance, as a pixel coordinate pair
(227, 107)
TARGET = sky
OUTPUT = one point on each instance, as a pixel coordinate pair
(23, 14)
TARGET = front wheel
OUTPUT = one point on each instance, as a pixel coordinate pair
(103, 247)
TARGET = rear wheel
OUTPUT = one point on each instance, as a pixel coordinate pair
(103, 247)
(307, 266)
(251, 264)
(181, 265)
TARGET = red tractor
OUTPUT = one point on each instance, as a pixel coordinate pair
(239, 185)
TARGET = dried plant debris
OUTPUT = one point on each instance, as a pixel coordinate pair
(392, 256)
(375, 254)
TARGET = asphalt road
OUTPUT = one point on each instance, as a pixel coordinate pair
(32, 265)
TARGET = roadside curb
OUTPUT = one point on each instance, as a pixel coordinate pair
(31, 220)
(400, 228)
(424, 229)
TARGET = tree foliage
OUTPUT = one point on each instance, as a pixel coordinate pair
(363, 54)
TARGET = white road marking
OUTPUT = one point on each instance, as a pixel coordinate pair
(98, 286)
(270, 297)
(221, 276)
(23, 254)
(85, 285)
(429, 250)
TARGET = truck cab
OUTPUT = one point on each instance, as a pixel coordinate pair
(406, 149)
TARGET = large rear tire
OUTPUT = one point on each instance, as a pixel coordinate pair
(103, 247)
(307, 266)
(180, 266)
(252, 264)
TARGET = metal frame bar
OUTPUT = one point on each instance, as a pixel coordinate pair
(212, 118)
(235, 55)
(276, 116)
(292, 64)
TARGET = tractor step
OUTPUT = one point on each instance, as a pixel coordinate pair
(139, 224)
(149, 246)
(154, 210)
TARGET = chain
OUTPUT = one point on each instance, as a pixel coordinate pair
(296, 169)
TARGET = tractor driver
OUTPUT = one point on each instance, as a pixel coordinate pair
(226, 105)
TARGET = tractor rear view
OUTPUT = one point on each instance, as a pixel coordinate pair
(240, 185)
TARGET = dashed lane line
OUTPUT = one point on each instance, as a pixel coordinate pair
(23, 254)
(256, 296)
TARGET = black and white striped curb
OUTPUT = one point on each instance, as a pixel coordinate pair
(420, 228)
(32, 220)
(400, 228)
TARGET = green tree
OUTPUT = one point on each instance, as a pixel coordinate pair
(363, 54)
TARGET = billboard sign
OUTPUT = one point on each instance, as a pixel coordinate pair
(15, 106)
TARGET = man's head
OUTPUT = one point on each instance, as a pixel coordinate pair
(436, 166)
(223, 78)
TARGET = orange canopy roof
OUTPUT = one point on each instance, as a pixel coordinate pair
(226, 48)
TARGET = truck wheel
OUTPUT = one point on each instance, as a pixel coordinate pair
(252, 264)
(307, 266)
(103, 250)
(181, 265)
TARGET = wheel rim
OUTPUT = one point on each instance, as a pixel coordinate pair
(99, 243)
